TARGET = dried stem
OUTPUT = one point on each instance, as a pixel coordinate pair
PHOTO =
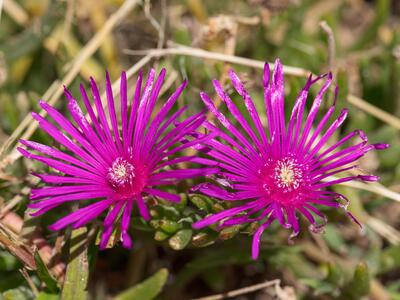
(69, 15)
(331, 45)
(197, 52)
(374, 111)
(14, 202)
(15, 11)
(373, 187)
(29, 280)
(1, 8)
(12, 224)
(242, 291)
(13, 244)
(385, 230)
(160, 27)
(129, 73)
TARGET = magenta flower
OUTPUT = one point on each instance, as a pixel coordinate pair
(285, 173)
(114, 165)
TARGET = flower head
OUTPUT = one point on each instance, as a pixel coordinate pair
(116, 165)
(285, 173)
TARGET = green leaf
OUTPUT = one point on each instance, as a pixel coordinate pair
(201, 202)
(180, 239)
(359, 286)
(76, 277)
(45, 296)
(147, 289)
(334, 239)
(21, 293)
(160, 235)
(229, 232)
(168, 212)
(335, 274)
(169, 226)
(319, 287)
(44, 274)
(390, 259)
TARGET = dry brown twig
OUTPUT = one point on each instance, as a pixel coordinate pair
(242, 291)
(15, 11)
(29, 280)
(390, 233)
(69, 16)
(197, 52)
(129, 73)
(331, 45)
(14, 201)
(11, 227)
(374, 111)
(13, 244)
(1, 8)
(159, 27)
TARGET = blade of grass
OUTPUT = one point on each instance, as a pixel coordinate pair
(373, 187)
(76, 277)
(44, 274)
(242, 291)
(146, 290)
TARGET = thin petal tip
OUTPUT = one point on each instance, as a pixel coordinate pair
(369, 178)
(23, 151)
(23, 142)
(184, 83)
(381, 146)
(126, 240)
(54, 227)
(199, 225)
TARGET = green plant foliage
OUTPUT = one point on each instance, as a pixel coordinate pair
(77, 274)
(360, 284)
(44, 274)
(21, 293)
(146, 290)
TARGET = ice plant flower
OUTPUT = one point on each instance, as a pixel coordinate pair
(286, 172)
(113, 165)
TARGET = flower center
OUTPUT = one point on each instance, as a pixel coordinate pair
(287, 174)
(120, 173)
(283, 180)
(125, 178)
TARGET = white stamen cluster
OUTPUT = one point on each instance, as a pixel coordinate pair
(288, 174)
(121, 172)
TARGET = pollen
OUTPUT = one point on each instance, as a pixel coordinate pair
(120, 173)
(288, 174)
(284, 180)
